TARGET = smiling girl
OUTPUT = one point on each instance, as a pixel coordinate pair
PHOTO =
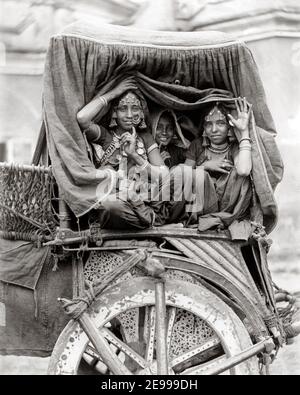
(126, 151)
(222, 161)
(169, 137)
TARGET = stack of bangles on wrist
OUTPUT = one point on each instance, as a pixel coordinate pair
(143, 166)
(102, 100)
(245, 144)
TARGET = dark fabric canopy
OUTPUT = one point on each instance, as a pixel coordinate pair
(180, 71)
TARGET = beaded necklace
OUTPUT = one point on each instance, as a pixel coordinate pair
(111, 149)
(217, 150)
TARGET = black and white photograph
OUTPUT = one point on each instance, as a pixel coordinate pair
(149, 190)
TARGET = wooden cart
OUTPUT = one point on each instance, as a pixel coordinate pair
(166, 300)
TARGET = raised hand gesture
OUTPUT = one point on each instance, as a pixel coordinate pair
(241, 124)
(129, 142)
(88, 112)
(122, 87)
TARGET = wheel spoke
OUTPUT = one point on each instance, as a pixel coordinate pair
(161, 330)
(92, 353)
(123, 347)
(194, 321)
(212, 342)
(171, 320)
(201, 369)
(93, 359)
(101, 345)
(151, 335)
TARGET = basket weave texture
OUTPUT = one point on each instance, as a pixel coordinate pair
(25, 201)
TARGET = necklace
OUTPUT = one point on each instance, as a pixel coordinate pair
(111, 149)
(221, 150)
(116, 140)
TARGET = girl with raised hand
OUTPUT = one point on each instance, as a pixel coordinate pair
(222, 161)
(126, 151)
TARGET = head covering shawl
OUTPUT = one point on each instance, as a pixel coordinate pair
(181, 141)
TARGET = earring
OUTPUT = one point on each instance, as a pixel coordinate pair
(205, 141)
(142, 124)
(113, 122)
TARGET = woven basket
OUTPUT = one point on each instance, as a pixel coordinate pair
(25, 202)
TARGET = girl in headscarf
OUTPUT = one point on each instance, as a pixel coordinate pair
(128, 152)
(222, 161)
(212, 188)
(169, 137)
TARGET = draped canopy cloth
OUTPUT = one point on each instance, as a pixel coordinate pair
(180, 71)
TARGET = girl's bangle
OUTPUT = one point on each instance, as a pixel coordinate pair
(245, 139)
(102, 100)
(143, 166)
(245, 149)
(245, 145)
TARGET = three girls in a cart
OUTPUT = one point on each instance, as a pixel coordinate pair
(162, 176)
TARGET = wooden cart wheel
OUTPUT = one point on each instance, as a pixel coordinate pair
(226, 336)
